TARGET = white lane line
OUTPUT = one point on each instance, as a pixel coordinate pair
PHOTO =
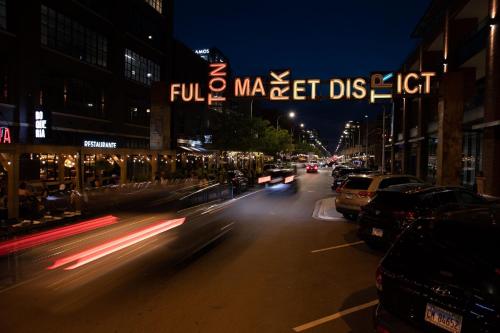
(334, 316)
(337, 247)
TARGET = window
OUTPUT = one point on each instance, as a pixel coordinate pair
(140, 69)
(393, 181)
(469, 198)
(156, 4)
(84, 98)
(3, 15)
(60, 32)
(356, 183)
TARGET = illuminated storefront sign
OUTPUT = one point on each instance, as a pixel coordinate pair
(40, 124)
(279, 87)
(5, 135)
(99, 144)
(202, 51)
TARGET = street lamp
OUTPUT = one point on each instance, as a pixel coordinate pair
(302, 125)
(291, 115)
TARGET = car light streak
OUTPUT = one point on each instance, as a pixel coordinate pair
(289, 179)
(264, 179)
(97, 252)
(30, 241)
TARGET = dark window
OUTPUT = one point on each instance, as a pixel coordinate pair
(393, 181)
(84, 98)
(3, 15)
(358, 183)
(156, 4)
(62, 33)
(138, 111)
(141, 69)
(447, 197)
(469, 198)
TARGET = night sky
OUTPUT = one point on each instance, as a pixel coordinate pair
(316, 39)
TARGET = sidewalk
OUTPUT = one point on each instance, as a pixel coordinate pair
(325, 210)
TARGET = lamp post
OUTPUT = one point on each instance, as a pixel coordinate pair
(366, 139)
(291, 115)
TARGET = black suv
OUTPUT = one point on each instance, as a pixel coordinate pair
(394, 208)
(443, 275)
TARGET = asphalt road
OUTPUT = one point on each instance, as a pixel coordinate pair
(271, 267)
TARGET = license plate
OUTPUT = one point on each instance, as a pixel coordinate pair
(377, 232)
(445, 319)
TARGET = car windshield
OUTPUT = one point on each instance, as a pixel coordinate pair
(358, 183)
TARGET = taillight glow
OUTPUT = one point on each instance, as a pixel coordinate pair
(289, 179)
(41, 238)
(97, 252)
(264, 179)
(406, 215)
(382, 329)
(364, 194)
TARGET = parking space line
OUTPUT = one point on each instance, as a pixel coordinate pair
(334, 316)
(337, 247)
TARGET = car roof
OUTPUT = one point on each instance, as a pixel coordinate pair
(410, 188)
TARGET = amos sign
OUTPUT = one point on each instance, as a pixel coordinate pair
(279, 86)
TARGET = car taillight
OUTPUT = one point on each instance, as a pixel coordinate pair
(406, 215)
(339, 189)
(316, 167)
(364, 194)
(378, 278)
(307, 167)
(381, 329)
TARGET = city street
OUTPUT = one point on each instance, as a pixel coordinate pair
(275, 269)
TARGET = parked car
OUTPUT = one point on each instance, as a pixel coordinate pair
(343, 171)
(238, 180)
(358, 190)
(394, 208)
(442, 275)
(312, 167)
(340, 180)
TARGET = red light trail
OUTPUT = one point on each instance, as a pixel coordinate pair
(97, 252)
(45, 237)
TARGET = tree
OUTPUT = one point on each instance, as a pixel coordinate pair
(234, 131)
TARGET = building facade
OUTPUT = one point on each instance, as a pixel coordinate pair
(452, 137)
(75, 89)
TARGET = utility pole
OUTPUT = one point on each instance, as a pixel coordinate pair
(366, 139)
(383, 140)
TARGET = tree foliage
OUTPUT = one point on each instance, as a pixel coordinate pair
(237, 132)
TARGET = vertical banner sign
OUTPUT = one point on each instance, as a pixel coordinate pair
(41, 124)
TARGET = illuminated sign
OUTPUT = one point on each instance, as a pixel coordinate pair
(40, 124)
(202, 51)
(99, 144)
(279, 87)
(5, 135)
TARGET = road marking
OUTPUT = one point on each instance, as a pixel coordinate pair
(337, 247)
(334, 316)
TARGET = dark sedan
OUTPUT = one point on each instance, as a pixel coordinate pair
(394, 208)
(442, 275)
